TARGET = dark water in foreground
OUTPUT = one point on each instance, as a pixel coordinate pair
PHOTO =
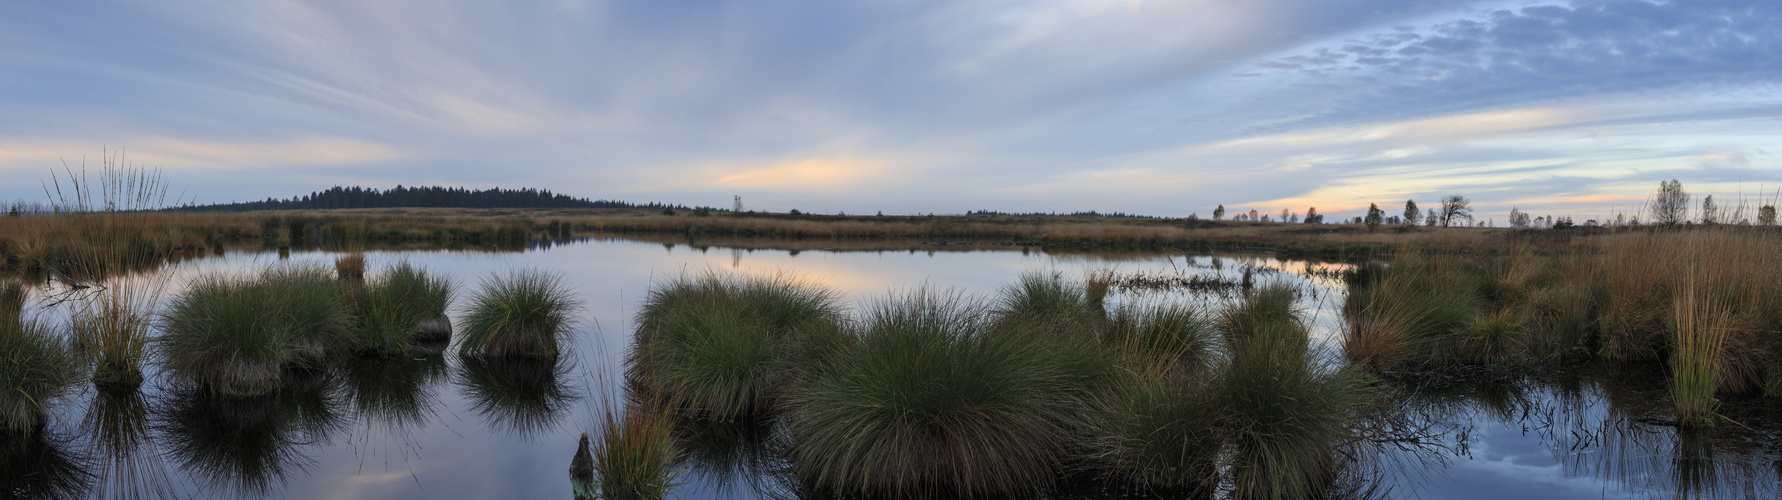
(436, 426)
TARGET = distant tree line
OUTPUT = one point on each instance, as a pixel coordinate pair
(1091, 213)
(429, 197)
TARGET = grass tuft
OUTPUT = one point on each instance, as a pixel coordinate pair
(931, 400)
(524, 313)
(635, 455)
(35, 368)
(729, 345)
(391, 308)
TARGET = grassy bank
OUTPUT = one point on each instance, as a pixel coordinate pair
(1707, 300)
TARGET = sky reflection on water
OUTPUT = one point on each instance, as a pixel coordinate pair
(434, 425)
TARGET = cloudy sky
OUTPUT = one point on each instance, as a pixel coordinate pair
(912, 106)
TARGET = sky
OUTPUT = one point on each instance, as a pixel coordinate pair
(1165, 108)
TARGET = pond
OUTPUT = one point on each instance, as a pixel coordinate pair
(435, 425)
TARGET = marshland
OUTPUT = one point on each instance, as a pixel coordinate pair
(1635, 361)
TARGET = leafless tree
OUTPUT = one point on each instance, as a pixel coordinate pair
(1670, 205)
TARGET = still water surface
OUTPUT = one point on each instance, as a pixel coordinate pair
(437, 426)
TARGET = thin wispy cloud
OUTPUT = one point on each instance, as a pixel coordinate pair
(1163, 107)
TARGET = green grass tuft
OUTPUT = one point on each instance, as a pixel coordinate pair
(724, 346)
(35, 368)
(932, 400)
(524, 313)
(392, 307)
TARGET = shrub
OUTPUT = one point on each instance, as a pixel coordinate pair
(522, 314)
(930, 400)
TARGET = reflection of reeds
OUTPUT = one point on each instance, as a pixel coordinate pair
(522, 396)
(248, 446)
(42, 465)
(127, 462)
(725, 454)
(524, 313)
(398, 393)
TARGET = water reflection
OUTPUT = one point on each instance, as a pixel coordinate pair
(395, 394)
(250, 446)
(43, 464)
(126, 461)
(1597, 430)
(520, 396)
(1563, 432)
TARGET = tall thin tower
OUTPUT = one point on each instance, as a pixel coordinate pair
(738, 208)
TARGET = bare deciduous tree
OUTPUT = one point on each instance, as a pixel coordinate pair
(1670, 205)
(1456, 208)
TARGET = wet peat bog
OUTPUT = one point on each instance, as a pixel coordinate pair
(433, 421)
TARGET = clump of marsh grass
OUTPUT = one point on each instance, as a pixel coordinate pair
(1264, 308)
(1048, 299)
(112, 325)
(350, 267)
(392, 307)
(312, 307)
(730, 345)
(12, 301)
(1169, 334)
(1404, 317)
(237, 334)
(35, 368)
(1286, 417)
(221, 335)
(1699, 341)
(635, 454)
(524, 313)
(1492, 338)
(931, 399)
(1159, 428)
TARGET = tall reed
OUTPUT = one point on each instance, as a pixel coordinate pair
(1699, 337)
(112, 325)
(635, 455)
(524, 313)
